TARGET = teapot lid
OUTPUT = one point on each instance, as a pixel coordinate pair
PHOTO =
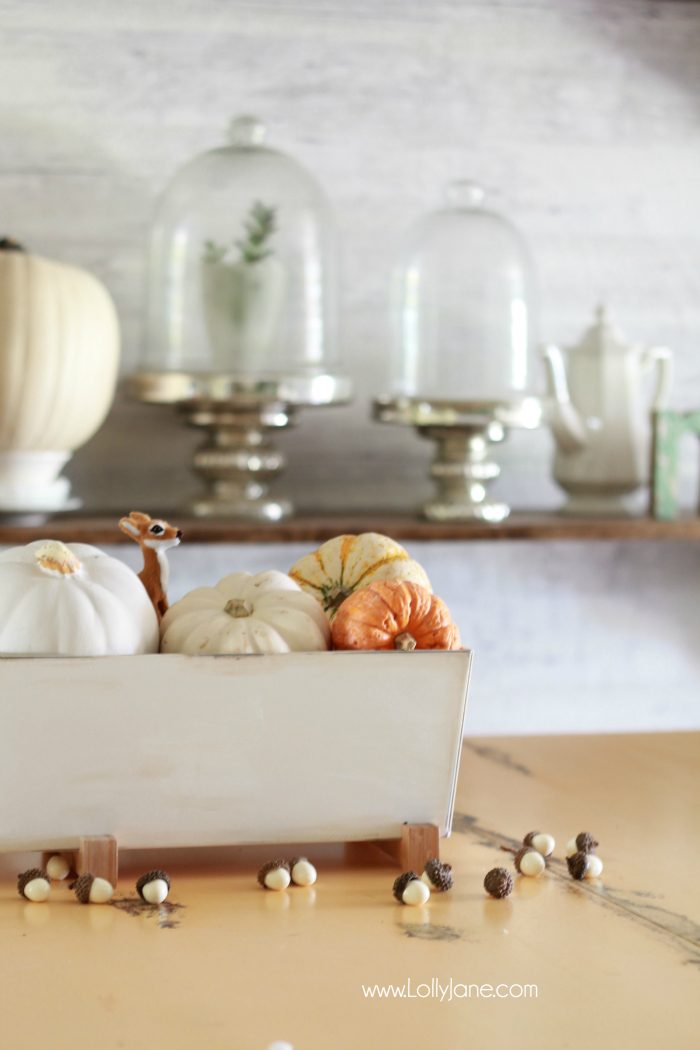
(603, 337)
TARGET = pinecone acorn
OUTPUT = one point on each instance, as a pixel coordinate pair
(82, 886)
(577, 864)
(498, 882)
(439, 875)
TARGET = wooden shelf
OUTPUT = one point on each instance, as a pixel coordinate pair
(307, 528)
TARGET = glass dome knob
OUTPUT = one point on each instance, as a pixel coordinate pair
(463, 193)
(246, 132)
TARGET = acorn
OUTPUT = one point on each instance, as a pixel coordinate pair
(582, 843)
(401, 882)
(584, 865)
(498, 882)
(154, 886)
(409, 889)
(529, 861)
(595, 866)
(275, 875)
(91, 889)
(540, 841)
(34, 885)
(585, 843)
(302, 871)
(57, 867)
(438, 876)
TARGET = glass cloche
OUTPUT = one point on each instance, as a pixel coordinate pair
(241, 265)
(462, 306)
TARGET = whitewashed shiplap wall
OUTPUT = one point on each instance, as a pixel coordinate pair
(582, 117)
(574, 637)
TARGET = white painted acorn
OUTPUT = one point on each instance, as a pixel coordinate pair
(153, 887)
(57, 867)
(101, 891)
(279, 1044)
(91, 889)
(571, 847)
(303, 872)
(594, 868)
(155, 892)
(529, 862)
(34, 885)
(541, 841)
(584, 865)
(416, 892)
(275, 875)
(532, 863)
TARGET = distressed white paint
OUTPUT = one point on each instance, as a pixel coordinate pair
(207, 751)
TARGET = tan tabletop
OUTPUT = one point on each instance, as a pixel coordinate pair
(615, 962)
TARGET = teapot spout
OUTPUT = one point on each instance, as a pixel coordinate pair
(564, 420)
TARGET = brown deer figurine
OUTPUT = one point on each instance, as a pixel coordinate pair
(154, 536)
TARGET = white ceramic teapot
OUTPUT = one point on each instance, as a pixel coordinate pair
(600, 415)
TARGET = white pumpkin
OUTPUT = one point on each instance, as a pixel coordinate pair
(345, 564)
(243, 613)
(60, 599)
(59, 354)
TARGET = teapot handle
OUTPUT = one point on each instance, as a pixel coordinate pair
(663, 358)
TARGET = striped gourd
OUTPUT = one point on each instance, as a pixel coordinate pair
(345, 564)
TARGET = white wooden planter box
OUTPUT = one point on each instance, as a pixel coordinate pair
(199, 751)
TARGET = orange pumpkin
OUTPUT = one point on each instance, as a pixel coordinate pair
(393, 614)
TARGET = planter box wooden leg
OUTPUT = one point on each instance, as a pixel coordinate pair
(418, 843)
(98, 855)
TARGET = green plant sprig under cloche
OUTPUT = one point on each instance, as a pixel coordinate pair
(259, 226)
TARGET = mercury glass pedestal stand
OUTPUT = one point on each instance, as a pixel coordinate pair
(463, 432)
(238, 459)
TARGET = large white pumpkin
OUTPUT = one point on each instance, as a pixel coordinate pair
(59, 353)
(267, 613)
(60, 599)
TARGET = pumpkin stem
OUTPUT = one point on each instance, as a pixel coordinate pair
(333, 598)
(53, 556)
(238, 607)
(8, 245)
(405, 641)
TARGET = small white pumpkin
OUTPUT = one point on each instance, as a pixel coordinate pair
(243, 613)
(60, 599)
(346, 564)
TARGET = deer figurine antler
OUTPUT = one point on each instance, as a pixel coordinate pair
(154, 536)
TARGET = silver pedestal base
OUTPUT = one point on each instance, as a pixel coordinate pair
(238, 459)
(461, 471)
(463, 433)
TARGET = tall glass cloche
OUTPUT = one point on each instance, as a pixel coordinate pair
(241, 315)
(463, 305)
(241, 268)
(462, 358)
